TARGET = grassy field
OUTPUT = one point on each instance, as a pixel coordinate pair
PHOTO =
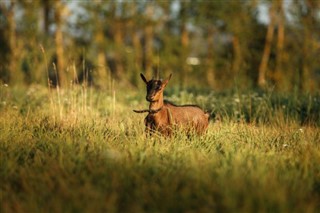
(82, 150)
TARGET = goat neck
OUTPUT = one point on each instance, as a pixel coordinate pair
(156, 105)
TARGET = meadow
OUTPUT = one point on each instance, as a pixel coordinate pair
(84, 150)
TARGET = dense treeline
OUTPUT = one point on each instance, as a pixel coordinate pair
(212, 44)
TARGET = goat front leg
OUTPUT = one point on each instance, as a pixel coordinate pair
(150, 127)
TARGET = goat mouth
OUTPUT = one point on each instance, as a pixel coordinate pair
(150, 99)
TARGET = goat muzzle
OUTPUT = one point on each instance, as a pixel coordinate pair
(150, 99)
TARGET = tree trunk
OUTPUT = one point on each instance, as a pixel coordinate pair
(118, 38)
(148, 39)
(137, 52)
(267, 49)
(46, 14)
(308, 82)
(15, 75)
(211, 79)
(62, 76)
(148, 49)
(237, 55)
(280, 44)
(102, 80)
(184, 53)
(135, 65)
(185, 41)
(102, 74)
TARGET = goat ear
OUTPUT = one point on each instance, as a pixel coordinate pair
(165, 82)
(143, 78)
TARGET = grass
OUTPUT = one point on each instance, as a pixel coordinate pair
(81, 150)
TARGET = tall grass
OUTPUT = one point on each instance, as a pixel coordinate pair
(88, 153)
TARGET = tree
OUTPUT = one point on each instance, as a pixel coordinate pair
(267, 47)
(279, 69)
(148, 39)
(101, 75)
(122, 38)
(207, 19)
(304, 44)
(309, 51)
(134, 29)
(46, 8)
(15, 76)
(61, 67)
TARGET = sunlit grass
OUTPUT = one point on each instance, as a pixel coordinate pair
(88, 153)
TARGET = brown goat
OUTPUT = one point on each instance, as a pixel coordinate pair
(164, 116)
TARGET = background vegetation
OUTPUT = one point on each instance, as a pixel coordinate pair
(69, 79)
(212, 44)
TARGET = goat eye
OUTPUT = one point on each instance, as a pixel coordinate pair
(158, 87)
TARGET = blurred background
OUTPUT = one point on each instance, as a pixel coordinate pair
(218, 44)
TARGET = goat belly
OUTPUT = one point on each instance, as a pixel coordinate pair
(189, 118)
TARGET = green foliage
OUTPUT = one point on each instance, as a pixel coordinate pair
(109, 40)
(81, 150)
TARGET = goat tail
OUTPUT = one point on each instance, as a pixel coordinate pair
(210, 114)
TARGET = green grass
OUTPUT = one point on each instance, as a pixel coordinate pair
(83, 150)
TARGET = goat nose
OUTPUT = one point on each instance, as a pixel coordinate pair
(148, 98)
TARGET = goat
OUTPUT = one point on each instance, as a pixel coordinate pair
(164, 116)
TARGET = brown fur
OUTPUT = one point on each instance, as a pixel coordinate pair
(164, 116)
